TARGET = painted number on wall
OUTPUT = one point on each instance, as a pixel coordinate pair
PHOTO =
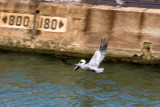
(26, 21)
(16, 20)
(13, 20)
(52, 24)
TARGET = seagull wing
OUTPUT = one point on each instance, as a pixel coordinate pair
(99, 54)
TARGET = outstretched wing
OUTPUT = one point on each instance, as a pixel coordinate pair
(99, 54)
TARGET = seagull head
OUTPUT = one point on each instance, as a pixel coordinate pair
(81, 62)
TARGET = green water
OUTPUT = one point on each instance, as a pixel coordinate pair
(28, 80)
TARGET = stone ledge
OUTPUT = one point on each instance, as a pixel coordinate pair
(133, 33)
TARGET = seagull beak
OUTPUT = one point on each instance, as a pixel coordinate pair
(77, 67)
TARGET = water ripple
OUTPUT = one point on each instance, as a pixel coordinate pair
(44, 81)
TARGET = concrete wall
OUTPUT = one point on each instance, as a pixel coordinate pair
(133, 33)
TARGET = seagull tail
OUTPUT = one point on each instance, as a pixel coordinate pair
(99, 70)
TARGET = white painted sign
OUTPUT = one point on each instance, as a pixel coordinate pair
(52, 24)
(16, 20)
(26, 21)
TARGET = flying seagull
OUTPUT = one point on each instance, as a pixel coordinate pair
(95, 60)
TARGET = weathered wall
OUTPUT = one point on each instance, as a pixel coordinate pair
(133, 33)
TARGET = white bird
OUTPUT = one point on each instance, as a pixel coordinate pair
(120, 3)
(95, 60)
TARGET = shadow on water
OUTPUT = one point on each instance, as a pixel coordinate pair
(43, 80)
